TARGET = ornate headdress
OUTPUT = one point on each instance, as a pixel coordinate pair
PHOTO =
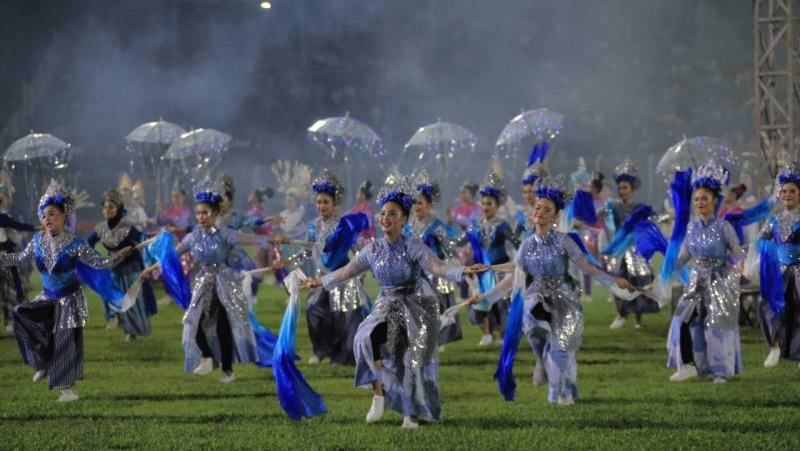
(556, 188)
(711, 175)
(293, 177)
(493, 186)
(627, 172)
(326, 182)
(426, 186)
(533, 173)
(397, 188)
(57, 194)
(788, 174)
(208, 191)
(113, 195)
(125, 182)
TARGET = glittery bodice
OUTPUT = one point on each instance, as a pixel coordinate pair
(319, 229)
(708, 239)
(210, 246)
(392, 263)
(545, 256)
(429, 230)
(493, 234)
(621, 211)
(785, 227)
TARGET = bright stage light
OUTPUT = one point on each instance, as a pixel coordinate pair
(266, 5)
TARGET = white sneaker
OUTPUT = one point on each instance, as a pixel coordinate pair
(375, 410)
(773, 357)
(205, 366)
(39, 375)
(720, 380)
(566, 401)
(684, 373)
(68, 395)
(10, 327)
(441, 349)
(638, 325)
(227, 377)
(313, 360)
(112, 322)
(617, 323)
(409, 423)
(486, 340)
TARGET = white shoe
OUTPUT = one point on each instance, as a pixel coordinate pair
(68, 395)
(10, 327)
(566, 401)
(205, 366)
(130, 337)
(227, 377)
(684, 373)
(773, 357)
(313, 360)
(39, 375)
(409, 423)
(617, 323)
(486, 340)
(375, 410)
(720, 380)
(638, 325)
(441, 349)
(112, 322)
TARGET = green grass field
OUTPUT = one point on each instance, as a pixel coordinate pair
(136, 396)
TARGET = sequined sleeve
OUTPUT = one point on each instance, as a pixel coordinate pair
(185, 245)
(574, 253)
(18, 258)
(732, 240)
(431, 263)
(357, 265)
(90, 256)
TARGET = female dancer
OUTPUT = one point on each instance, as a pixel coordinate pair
(332, 314)
(468, 210)
(525, 214)
(116, 233)
(552, 317)
(704, 333)
(429, 229)
(491, 238)
(779, 243)
(265, 256)
(396, 345)
(216, 328)
(363, 206)
(630, 265)
(49, 329)
(12, 284)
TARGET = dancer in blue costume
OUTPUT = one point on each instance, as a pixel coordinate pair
(396, 345)
(630, 265)
(525, 214)
(49, 329)
(547, 306)
(491, 239)
(332, 314)
(441, 238)
(116, 233)
(779, 245)
(704, 333)
(217, 329)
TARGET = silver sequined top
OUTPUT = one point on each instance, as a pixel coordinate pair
(712, 240)
(209, 246)
(398, 263)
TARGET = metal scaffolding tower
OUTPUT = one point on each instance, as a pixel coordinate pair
(777, 93)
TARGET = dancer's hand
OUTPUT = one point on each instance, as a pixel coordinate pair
(476, 269)
(623, 283)
(474, 299)
(311, 282)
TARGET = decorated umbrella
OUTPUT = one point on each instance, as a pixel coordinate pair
(41, 156)
(537, 128)
(347, 140)
(199, 152)
(692, 152)
(442, 142)
(146, 145)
